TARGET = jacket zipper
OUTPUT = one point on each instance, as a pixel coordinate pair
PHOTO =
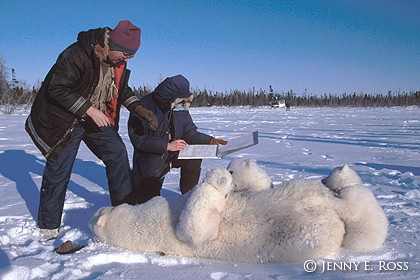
(62, 138)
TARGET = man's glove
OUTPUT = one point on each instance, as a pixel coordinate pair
(217, 141)
(147, 115)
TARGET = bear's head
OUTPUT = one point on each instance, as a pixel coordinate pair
(248, 175)
(99, 220)
(220, 179)
(341, 177)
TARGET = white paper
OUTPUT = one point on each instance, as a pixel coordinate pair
(219, 151)
(198, 151)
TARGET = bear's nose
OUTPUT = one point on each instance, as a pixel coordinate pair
(324, 181)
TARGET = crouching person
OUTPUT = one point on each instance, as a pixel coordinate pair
(156, 152)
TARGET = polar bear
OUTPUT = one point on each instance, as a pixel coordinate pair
(365, 220)
(289, 224)
(205, 205)
(248, 175)
(207, 201)
(293, 223)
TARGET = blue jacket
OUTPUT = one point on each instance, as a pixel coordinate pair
(151, 158)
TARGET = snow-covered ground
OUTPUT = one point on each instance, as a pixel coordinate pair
(382, 145)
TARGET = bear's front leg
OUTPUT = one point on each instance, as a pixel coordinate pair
(199, 220)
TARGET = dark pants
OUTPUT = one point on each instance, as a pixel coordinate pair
(149, 187)
(108, 146)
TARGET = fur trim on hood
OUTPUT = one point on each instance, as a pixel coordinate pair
(96, 39)
(171, 89)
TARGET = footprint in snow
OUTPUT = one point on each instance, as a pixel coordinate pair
(327, 157)
(306, 152)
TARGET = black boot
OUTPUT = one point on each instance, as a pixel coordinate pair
(190, 175)
(148, 188)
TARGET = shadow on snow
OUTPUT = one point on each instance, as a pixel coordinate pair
(19, 167)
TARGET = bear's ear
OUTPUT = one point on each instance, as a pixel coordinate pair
(208, 172)
(102, 220)
(345, 167)
(248, 163)
(222, 181)
(103, 216)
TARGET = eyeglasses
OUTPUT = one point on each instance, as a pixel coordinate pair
(127, 56)
(185, 102)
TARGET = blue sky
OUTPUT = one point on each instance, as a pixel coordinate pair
(325, 46)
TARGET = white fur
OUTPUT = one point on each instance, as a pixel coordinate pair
(202, 214)
(366, 223)
(259, 227)
(257, 180)
(299, 221)
(290, 224)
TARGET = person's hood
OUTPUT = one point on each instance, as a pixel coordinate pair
(171, 89)
(97, 39)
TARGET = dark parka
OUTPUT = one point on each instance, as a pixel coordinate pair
(64, 95)
(151, 158)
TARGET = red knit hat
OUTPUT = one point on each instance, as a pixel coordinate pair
(125, 37)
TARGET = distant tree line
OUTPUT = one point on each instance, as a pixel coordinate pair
(13, 93)
(204, 98)
(16, 93)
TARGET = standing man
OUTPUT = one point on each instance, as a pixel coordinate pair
(80, 99)
(156, 151)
